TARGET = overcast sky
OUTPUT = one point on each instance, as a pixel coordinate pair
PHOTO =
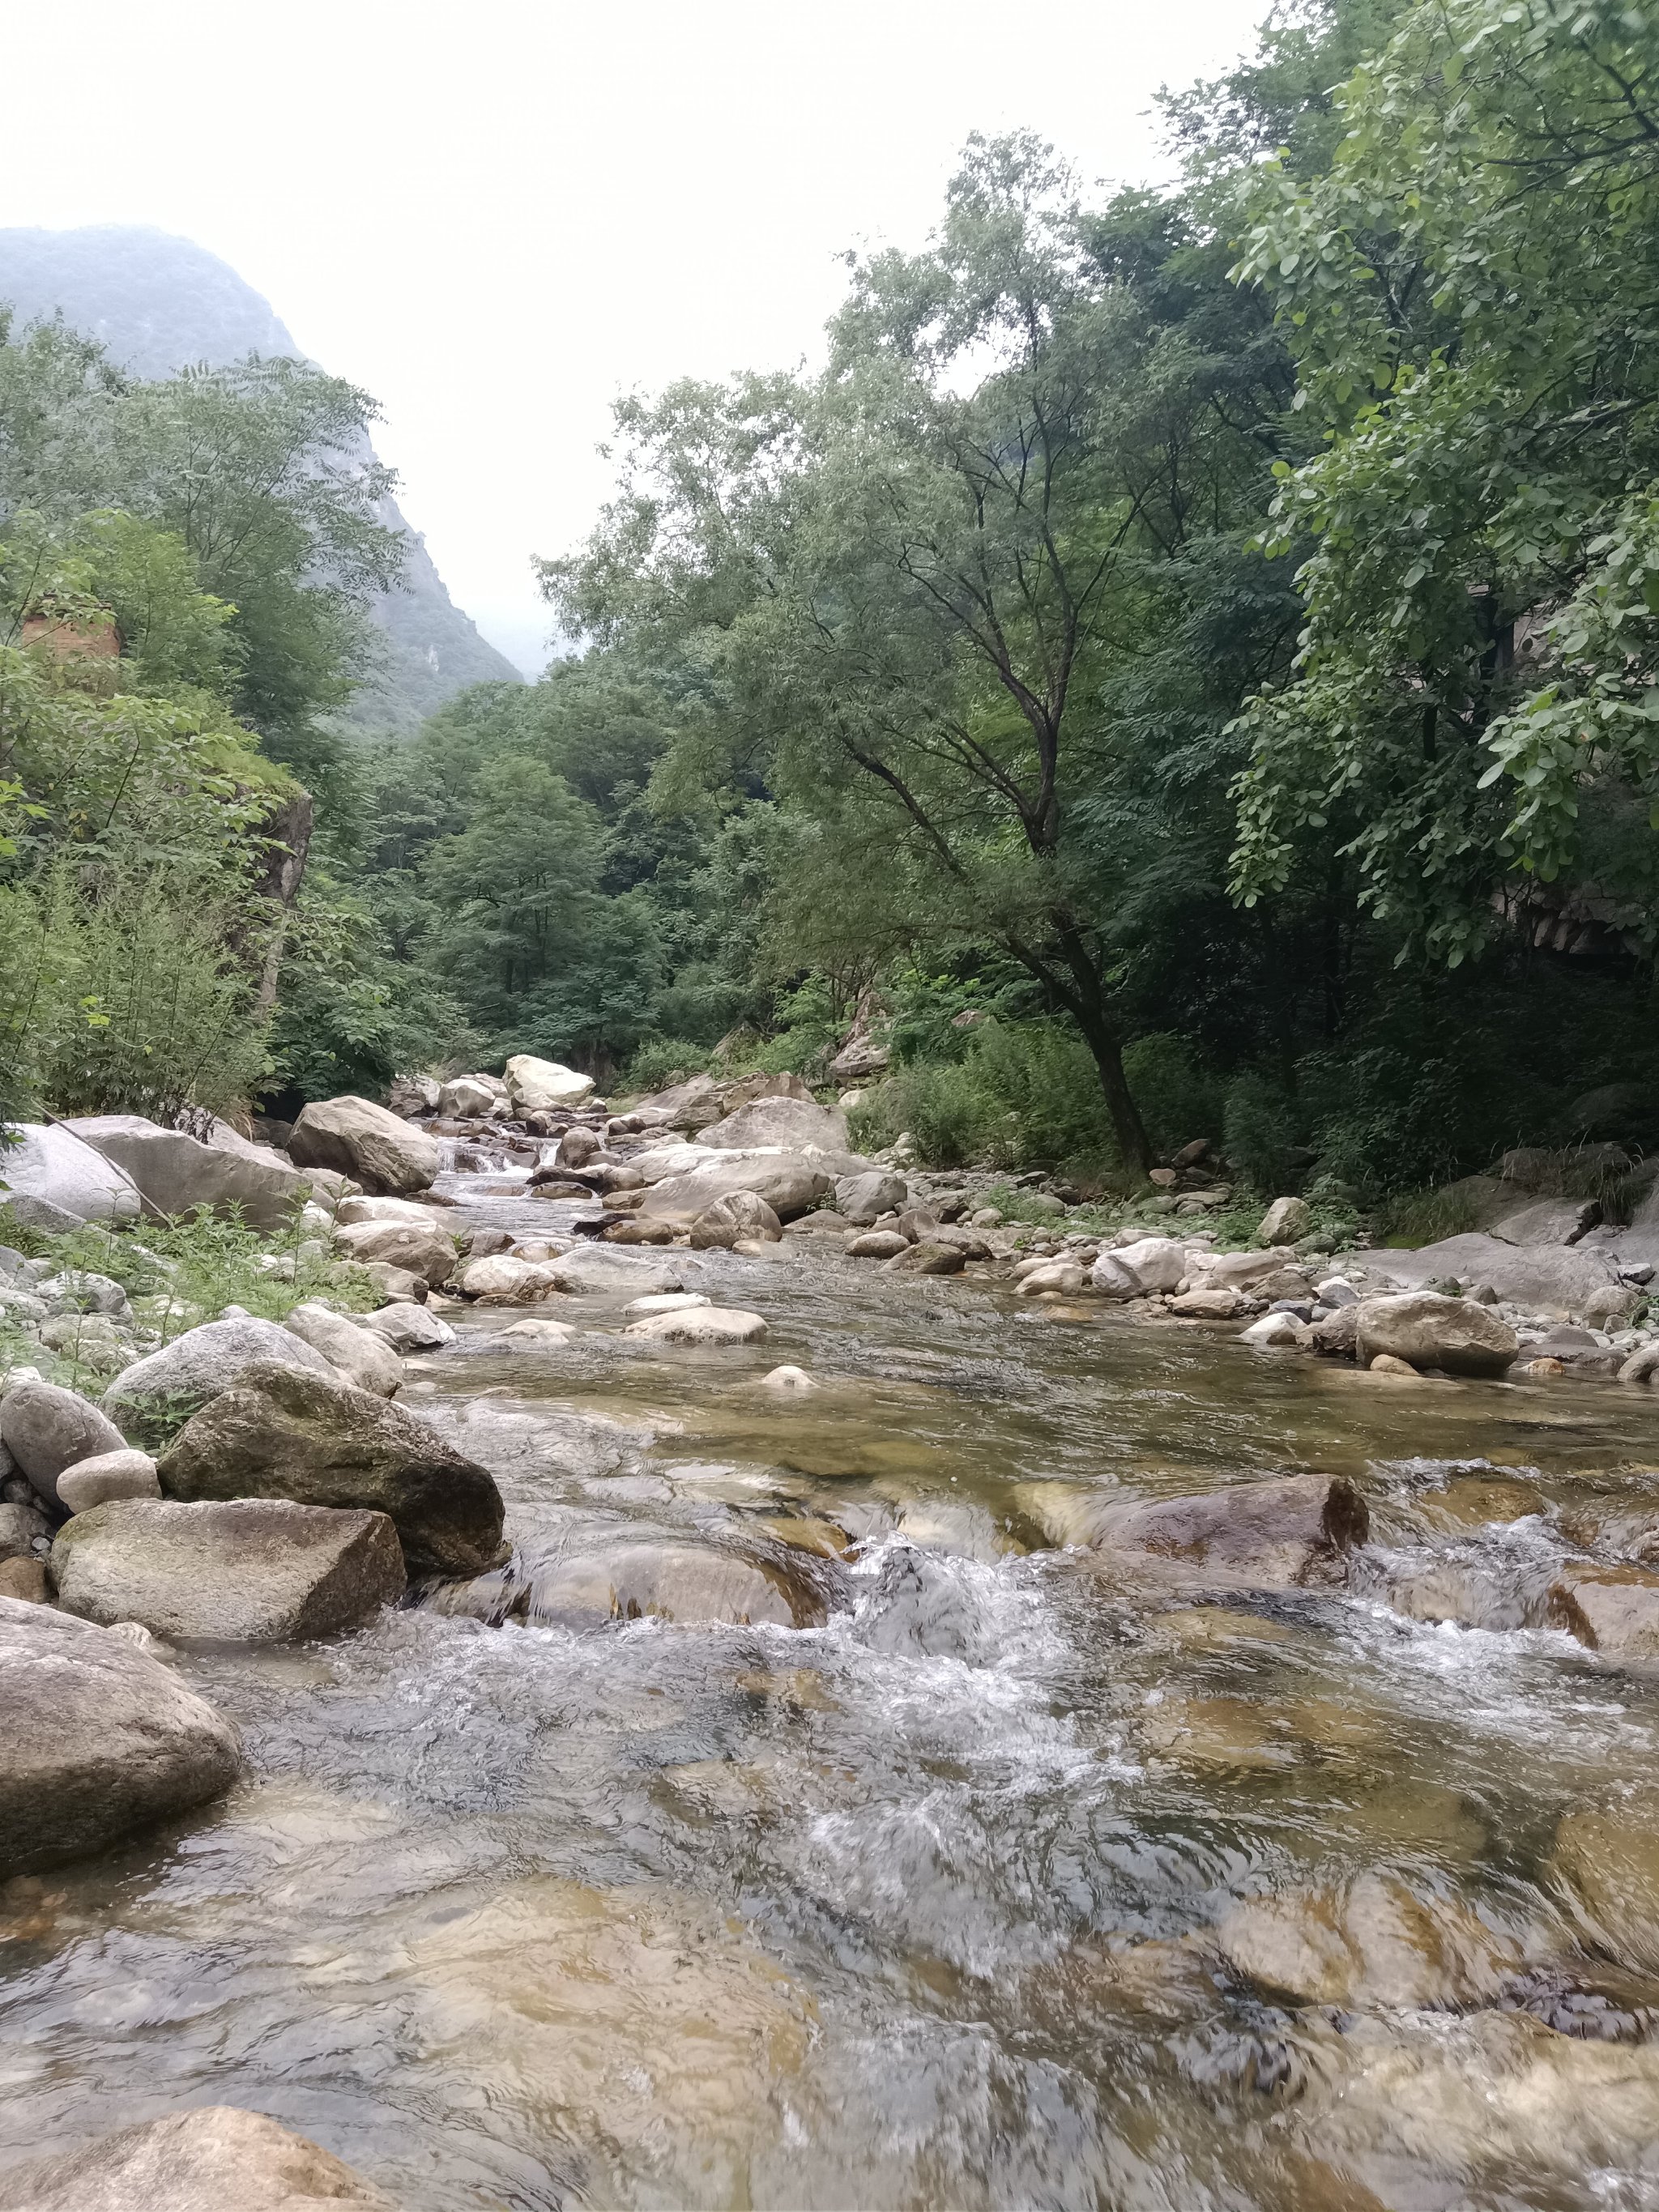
(498, 215)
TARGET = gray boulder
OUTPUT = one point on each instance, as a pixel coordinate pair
(113, 1474)
(729, 1220)
(680, 1582)
(357, 1138)
(248, 1570)
(363, 1358)
(1286, 1219)
(46, 1429)
(408, 1329)
(602, 1272)
(1425, 1329)
(1541, 1279)
(99, 1740)
(418, 1248)
(174, 1173)
(930, 1259)
(864, 1199)
(544, 1086)
(156, 1395)
(788, 1123)
(1548, 1221)
(53, 1181)
(1141, 1269)
(211, 2159)
(788, 1184)
(469, 1097)
(282, 1432)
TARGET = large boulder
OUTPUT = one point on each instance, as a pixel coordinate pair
(154, 1396)
(98, 1738)
(543, 1086)
(54, 1180)
(46, 1429)
(413, 1211)
(211, 2159)
(788, 1184)
(790, 1124)
(705, 1098)
(1426, 1329)
(729, 1220)
(864, 1197)
(357, 1138)
(418, 1247)
(362, 1358)
(470, 1098)
(1613, 1609)
(173, 1172)
(1273, 1534)
(1544, 1279)
(1139, 1270)
(248, 1570)
(283, 1433)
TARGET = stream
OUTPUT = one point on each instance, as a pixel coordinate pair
(915, 1907)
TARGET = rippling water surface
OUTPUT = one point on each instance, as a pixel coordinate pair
(917, 1907)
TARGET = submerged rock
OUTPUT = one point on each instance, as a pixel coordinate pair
(248, 1570)
(1373, 1942)
(315, 1439)
(1273, 1534)
(1613, 1610)
(99, 1740)
(682, 1582)
(1608, 1864)
(1427, 1330)
(213, 2158)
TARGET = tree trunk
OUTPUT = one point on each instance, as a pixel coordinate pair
(1086, 1003)
(1127, 1127)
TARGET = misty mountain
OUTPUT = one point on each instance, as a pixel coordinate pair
(157, 303)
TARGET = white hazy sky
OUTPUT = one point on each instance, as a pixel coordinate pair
(498, 215)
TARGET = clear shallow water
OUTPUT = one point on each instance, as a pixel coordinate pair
(916, 1907)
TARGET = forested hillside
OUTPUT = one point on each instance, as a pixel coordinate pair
(156, 305)
(1183, 664)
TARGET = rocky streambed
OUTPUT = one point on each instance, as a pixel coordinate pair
(1018, 1754)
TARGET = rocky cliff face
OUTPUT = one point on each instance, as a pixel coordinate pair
(156, 302)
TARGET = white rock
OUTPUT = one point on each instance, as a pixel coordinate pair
(708, 1325)
(1139, 1270)
(539, 1086)
(1271, 1329)
(666, 1302)
(788, 1379)
(534, 1330)
(408, 1328)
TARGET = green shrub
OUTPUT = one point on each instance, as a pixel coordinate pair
(659, 1062)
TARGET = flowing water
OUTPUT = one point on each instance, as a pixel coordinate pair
(916, 1906)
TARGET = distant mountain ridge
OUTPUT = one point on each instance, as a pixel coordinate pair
(155, 303)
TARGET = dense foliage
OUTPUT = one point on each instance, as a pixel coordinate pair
(1183, 664)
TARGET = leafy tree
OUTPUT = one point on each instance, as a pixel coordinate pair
(1468, 292)
(912, 584)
